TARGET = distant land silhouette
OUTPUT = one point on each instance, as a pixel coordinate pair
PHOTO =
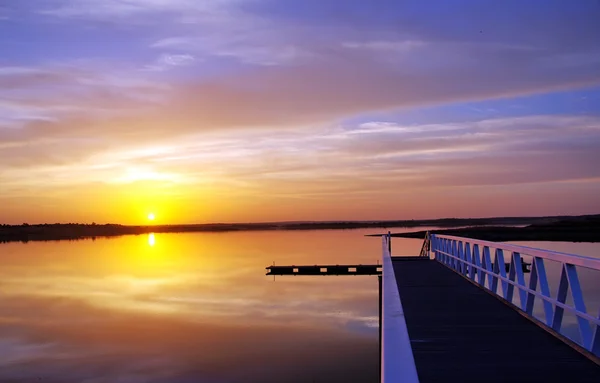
(568, 229)
(552, 228)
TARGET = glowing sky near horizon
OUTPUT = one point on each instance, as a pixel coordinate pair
(266, 110)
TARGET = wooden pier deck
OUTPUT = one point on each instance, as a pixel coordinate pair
(461, 333)
(324, 270)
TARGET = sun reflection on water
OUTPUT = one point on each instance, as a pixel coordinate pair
(151, 239)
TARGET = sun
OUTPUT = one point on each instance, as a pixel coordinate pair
(151, 217)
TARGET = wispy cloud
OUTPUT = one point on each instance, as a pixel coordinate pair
(59, 92)
(100, 9)
(169, 61)
(385, 46)
(314, 162)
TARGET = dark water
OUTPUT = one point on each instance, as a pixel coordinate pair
(191, 308)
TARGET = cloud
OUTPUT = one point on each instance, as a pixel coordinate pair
(411, 54)
(281, 97)
(385, 46)
(174, 42)
(265, 33)
(319, 161)
(169, 61)
(100, 9)
(344, 87)
(60, 92)
(245, 38)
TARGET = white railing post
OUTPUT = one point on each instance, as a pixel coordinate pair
(461, 256)
(445, 250)
(477, 264)
(533, 280)
(561, 297)
(444, 257)
(584, 326)
(516, 273)
(518, 262)
(596, 339)
(487, 260)
(538, 271)
(469, 260)
(488, 266)
(500, 268)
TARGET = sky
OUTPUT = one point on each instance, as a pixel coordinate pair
(274, 110)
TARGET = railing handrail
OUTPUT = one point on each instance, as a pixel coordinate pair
(573, 259)
(397, 361)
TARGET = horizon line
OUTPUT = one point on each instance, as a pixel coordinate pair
(307, 221)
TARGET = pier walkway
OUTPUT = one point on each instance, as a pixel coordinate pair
(449, 316)
(460, 333)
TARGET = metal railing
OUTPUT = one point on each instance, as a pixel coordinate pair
(426, 247)
(472, 259)
(397, 361)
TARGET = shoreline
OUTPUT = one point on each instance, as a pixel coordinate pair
(579, 229)
(497, 227)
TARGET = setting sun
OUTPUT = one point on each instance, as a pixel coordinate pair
(151, 216)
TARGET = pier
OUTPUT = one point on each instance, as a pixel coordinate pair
(464, 311)
(325, 270)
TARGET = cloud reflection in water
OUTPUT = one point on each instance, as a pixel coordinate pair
(182, 308)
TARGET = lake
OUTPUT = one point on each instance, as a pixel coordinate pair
(195, 308)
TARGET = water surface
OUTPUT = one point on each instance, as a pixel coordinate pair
(191, 308)
(188, 308)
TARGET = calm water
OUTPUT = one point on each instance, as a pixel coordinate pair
(193, 308)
